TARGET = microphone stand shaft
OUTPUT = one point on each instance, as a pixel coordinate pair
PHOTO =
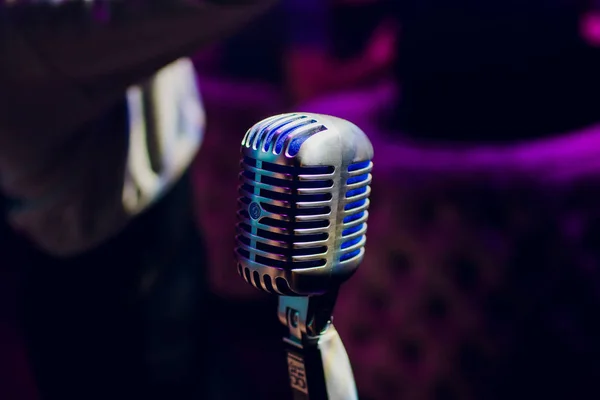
(318, 365)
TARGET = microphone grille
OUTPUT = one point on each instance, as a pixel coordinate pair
(273, 134)
(272, 230)
(355, 214)
(302, 209)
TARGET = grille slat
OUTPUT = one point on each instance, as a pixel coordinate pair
(356, 203)
(261, 127)
(272, 229)
(285, 251)
(361, 196)
(324, 171)
(298, 140)
(313, 191)
(314, 217)
(312, 204)
(285, 264)
(298, 231)
(272, 193)
(310, 257)
(306, 131)
(285, 223)
(310, 231)
(252, 131)
(301, 221)
(285, 128)
(246, 237)
(280, 235)
(257, 140)
(362, 207)
(275, 256)
(359, 172)
(302, 209)
(306, 212)
(274, 134)
(355, 232)
(314, 243)
(288, 237)
(272, 239)
(352, 222)
(243, 215)
(312, 184)
(353, 250)
(311, 207)
(315, 177)
(264, 185)
(260, 199)
(352, 168)
(356, 185)
(272, 174)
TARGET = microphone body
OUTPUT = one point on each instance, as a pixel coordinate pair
(301, 232)
(303, 206)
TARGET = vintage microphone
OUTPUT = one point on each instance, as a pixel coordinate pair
(301, 233)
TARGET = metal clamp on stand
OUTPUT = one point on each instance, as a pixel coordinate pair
(318, 366)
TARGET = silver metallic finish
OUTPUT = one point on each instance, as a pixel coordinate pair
(303, 207)
(304, 196)
(315, 353)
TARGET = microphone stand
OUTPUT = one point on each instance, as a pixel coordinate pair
(318, 366)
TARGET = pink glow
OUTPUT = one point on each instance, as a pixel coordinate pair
(590, 28)
(556, 159)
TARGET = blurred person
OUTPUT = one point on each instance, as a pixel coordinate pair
(103, 278)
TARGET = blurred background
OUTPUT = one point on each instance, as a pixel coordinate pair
(482, 274)
(482, 271)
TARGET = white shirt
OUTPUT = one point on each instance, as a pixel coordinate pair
(106, 177)
(75, 186)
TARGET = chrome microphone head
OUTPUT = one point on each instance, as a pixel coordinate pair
(302, 214)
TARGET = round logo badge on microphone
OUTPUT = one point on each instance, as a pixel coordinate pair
(254, 210)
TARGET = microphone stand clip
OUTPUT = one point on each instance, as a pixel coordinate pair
(318, 365)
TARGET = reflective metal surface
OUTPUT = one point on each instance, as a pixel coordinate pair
(304, 196)
(318, 365)
(303, 206)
